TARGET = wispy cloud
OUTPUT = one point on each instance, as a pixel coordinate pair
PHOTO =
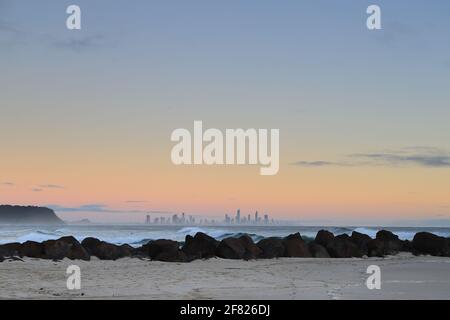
(7, 184)
(136, 201)
(51, 186)
(16, 34)
(79, 43)
(410, 156)
(100, 208)
(319, 163)
(396, 32)
(36, 190)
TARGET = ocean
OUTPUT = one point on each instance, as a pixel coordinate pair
(136, 235)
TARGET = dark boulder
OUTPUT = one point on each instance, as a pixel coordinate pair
(428, 243)
(252, 251)
(65, 247)
(10, 249)
(392, 244)
(238, 248)
(317, 250)
(231, 248)
(201, 246)
(341, 248)
(294, 246)
(55, 250)
(125, 250)
(406, 246)
(90, 244)
(343, 236)
(375, 248)
(172, 256)
(104, 250)
(156, 247)
(323, 237)
(271, 248)
(385, 235)
(361, 240)
(31, 249)
(164, 250)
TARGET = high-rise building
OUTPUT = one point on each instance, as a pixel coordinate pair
(238, 216)
(266, 218)
(256, 217)
(249, 219)
(147, 219)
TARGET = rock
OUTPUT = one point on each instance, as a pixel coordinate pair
(201, 246)
(428, 243)
(90, 245)
(294, 246)
(252, 251)
(1, 258)
(385, 235)
(125, 250)
(177, 256)
(392, 244)
(361, 240)
(31, 249)
(375, 248)
(55, 250)
(10, 249)
(317, 250)
(65, 247)
(343, 236)
(238, 248)
(406, 246)
(104, 250)
(323, 237)
(341, 248)
(231, 248)
(164, 250)
(271, 248)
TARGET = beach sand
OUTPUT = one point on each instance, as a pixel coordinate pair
(402, 277)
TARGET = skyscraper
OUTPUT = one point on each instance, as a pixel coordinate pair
(238, 216)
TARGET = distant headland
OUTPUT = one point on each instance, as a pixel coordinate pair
(28, 215)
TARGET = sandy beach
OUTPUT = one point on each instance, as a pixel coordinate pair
(403, 277)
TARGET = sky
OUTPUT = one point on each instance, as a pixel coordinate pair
(86, 115)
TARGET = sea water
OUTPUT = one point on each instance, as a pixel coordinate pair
(136, 235)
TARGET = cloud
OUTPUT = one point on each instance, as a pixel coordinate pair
(423, 160)
(79, 43)
(7, 184)
(395, 32)
(136, 201)
(51, 186)
(36, 190)
(410, 156)
(319, 163)
(100, 208)
(15, 34)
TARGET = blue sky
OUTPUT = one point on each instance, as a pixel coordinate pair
(139, 69)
